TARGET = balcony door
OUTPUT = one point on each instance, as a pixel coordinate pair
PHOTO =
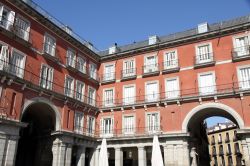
(241, 46)
(150, 64)
(152, 91)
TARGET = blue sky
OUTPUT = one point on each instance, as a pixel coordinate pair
(105, 22)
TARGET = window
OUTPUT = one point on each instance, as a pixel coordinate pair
(207, 83)
(150, 64)
(212, 140)
(108, 97)
(69, 86)
(213, 150)
(153, 123)
(22, 28)
(128, 68)
(81, 64)
(219, 138)
(90, 125)
(222, 161)
(17, 64)
(79, 91)
(71, 55)
(109, 72)
(237, 148)
(244, 77)
(229, 149)
(170, 60)
(92, 70)
(4, 57)
(152, 91)
(128, 94)
(91, 96)
(7, 18)
(78, 125)
(129, 124)
(172, 88)
(227, 137)
(241, 45)
(46, 78)
(107, 126)
(204, 53)
(49, 45)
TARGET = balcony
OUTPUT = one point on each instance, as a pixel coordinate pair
(214, 153)
(50, 52)
(71, 64)
(130, 132)
(241, 53)
(229, 152)
(27, 78)
(107, 78)
(221, 153)
(219, 141)
(204, 60)
(93, 76)
(227, 140)
(81, 70)
(170, 66)
(212, 142)
(150, 70)
(128, 74)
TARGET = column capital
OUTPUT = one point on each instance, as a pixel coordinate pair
(118, 148)
(141, 147)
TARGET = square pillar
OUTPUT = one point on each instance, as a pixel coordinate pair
(81, 155)
(142, 161)
(61, 154)
(168, 155)
(8, 150)
(118, 157)
(97, 151)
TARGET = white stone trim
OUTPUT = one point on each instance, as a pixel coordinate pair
(223, 107)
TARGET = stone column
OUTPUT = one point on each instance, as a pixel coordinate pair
(186, 155)
(168, 154)
(61, 154)
(118, 157)
(97, 151)
(142, 161)
(245, 149)
(81, 155)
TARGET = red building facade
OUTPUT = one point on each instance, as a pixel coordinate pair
(60, 97)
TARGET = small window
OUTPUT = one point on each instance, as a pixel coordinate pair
(81, 64)
(46, 80)
(91, 96)
(108, 97)
(204, 53)
(129, 94)
(22, 28)
(49, 45)
(71, 58)
(69, 86)
(91, 125)
(79, 91)
(170, 60)
(109, 72)
(203, 27)
(7, 18)
(150, 64)
(78, 122)
(92, 70)
(153, 40)
(152, 91)
(244, 77)
(129, 68)
(172, 88)
(107, 126)
(17, 64)
(129, 124)
(241, 46)
(153, 122)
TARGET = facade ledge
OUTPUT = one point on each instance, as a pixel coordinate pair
(240, 58)
(206, 64)
(108, 81)
(126, 78)
(148, 74)
(170, 70)
(50, 57)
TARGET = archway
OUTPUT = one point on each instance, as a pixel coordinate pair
(35, 144)
(195, 126)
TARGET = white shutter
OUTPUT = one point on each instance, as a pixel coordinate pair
(152, 91)
(129, 95)
(101, 127)
(43, 76)
(172, 88)
(245, 78)
(207, 84)
(11, 19)
(1, 12)
(112, 126)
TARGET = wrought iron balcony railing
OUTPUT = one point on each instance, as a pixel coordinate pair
(27, 77)
(151, 69)
(241, 53)
(128, 74)
(108, 77)
(203, 60)
(170, 66)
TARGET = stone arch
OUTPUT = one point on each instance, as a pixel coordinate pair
(36, 100)
(221, 110)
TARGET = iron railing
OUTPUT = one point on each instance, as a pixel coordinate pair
(170, 64)
(241, 52)
(150, 69)
(10, 69)
(202, 59)
(108, 77)
(128, 73)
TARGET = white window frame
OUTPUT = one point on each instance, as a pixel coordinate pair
(146, 93)
(208, 56)
(153, 129)
(21, 68)
(168, 92)
(128, 74)
(241, 87)
(81, 68)
(49, 83)
(240, 36)
(82, 93)
(149, 68)
(91, 99)
(103, 97)
(71, 88)
(91, 131)
(71, 61)
(123, 92)
(8, 24)
(51, 49)
(108, 76)
(103, 131)
(173, 63)
(78, 128)
(5, 60)
(214, 81)
(20, 32)
(132, 130)
(93, 74)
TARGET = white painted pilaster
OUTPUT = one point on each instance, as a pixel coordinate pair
(81, 156)
(118, 157)
(142, 156)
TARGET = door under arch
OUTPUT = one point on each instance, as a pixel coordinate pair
(35, 144)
